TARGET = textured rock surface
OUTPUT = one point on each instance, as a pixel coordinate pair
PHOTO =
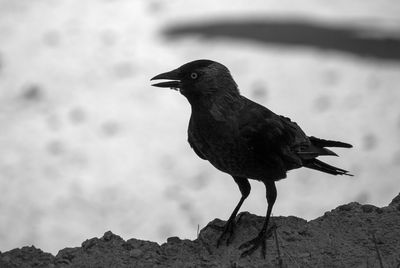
(351, 235)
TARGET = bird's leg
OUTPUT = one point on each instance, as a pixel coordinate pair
(260, 239)
(244, 187)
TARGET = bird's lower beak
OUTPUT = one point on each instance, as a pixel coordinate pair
(172, 75)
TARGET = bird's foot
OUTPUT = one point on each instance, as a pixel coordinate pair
(227, 230)
(259, 240)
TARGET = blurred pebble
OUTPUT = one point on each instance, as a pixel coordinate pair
(32, 92)
(123, 69)
(322, 103)
(51, 38)
(200, 180)
(55, 147)
(190, 212)
(330, 77)
(167, 162)
(369, 141)
(185, 206)
(77, 115)
(194, 219)
(110, 129)
(155, 6)
(362, 198)
(108, 37)
(259, 91)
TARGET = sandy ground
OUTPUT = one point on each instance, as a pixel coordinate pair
(88, 146)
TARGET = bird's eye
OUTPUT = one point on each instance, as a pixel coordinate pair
(194, 75)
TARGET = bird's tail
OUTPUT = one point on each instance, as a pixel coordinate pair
(324, 167)
(318, 148)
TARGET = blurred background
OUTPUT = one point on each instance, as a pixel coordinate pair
(87, 145)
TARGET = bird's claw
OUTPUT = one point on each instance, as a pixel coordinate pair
(255, 243)
(227, 229)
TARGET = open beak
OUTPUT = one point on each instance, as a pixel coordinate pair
(172, 75)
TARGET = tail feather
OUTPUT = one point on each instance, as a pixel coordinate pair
(328, 143)
(314, 151)
(317, 148)
(324, 167)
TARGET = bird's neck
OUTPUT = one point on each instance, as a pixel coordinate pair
(218, 106)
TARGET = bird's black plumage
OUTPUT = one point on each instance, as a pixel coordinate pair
(243, 138)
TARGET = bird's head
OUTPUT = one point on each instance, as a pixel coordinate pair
(200, 79)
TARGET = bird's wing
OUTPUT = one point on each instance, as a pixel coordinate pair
(274, 138)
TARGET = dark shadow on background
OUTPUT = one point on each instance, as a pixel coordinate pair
(291, 33)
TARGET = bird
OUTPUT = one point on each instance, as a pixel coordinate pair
(243, 138)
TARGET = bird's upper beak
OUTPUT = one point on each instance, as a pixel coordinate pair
(173, 75)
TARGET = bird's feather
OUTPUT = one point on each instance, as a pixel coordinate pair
(193, 143)
(324, 167)
(328, 143)
(274, 138)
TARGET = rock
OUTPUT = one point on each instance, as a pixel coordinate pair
(395, 201)
(26, 257)
(351, 235)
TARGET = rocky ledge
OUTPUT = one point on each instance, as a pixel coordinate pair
(351, 235)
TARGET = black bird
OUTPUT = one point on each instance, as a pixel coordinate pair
(243, 138)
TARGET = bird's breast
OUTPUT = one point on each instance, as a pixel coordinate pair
(220, 143)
